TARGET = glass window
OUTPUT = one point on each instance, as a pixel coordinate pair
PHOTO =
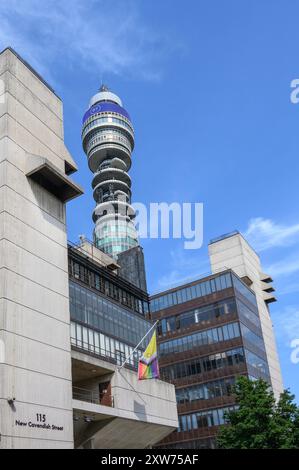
(218, 284)
(73, 330)
(260, 365)
(236, 330)
(208, 288)
(204, 419)
(197, 339)
(203, 289)
(207, 363)
(231, 332)
(252, 338)
(244, 290)
(248, 314)
(220, 334)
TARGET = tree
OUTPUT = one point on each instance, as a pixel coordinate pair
(259, 422)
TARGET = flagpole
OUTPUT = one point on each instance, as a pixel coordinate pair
(129, 357)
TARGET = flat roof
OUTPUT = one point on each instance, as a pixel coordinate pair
(198, 280)
(224, 236)
(31, 69)
(231, 234)
(194, 281)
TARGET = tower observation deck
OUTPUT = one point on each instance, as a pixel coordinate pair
(108, 141)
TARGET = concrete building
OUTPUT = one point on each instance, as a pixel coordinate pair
(41, 367)
(234, 252)
(211, 331)
(35, 374)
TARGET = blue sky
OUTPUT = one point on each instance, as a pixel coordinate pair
(207, 84)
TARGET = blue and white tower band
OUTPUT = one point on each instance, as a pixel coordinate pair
(108, 141)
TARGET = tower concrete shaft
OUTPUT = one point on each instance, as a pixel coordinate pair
(108, 141)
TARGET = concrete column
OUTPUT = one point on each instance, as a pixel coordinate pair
(35, 371)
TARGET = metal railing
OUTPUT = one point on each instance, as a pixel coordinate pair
(84, 394)
(90, 396)
(116, 357)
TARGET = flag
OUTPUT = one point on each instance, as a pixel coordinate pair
(148, 367)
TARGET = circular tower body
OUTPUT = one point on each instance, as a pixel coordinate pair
(108, 141)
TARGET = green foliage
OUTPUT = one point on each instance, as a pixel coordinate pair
(260, 422)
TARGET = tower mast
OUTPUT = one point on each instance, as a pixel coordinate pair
(108, 141)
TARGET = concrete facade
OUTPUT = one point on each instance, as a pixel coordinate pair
(235, 253)
(35, 370)
(138, 415)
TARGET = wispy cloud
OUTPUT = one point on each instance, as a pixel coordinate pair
(285, 266)
(289, 288)
(287, 323)
(265, 233)
(97, 35)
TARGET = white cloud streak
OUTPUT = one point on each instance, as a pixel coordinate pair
(286, 266)
(264, 234)
(289, 288)
(287, 324)
(97, 35)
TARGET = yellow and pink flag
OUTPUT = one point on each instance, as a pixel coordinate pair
(148, 367)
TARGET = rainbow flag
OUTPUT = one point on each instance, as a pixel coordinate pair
(148, 367)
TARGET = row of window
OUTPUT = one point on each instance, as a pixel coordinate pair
(108, 135)
(204, 419)
(119, 239)
(108, 113)
(91, 122)
(222, 281)
(120, 231)
(118, 227)
(112, 249)
(217, 361)
(213, 335)
(192, 292)
(109, 139)
(99, 312)
(200, 365)
(98, 282)
(198, 315)
(206, 391)
(108, 130)
(102, 345)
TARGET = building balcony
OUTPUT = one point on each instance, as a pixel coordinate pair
(113, 174)
(113, 207)
(116, 185)
(115, 197)
(113, 409)
(91, 396)
(108, 150)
